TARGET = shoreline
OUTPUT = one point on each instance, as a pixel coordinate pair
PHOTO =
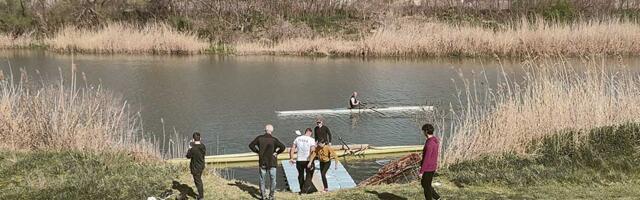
(407, 37)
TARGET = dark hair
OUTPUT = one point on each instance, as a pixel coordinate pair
(308, 130)
(196, 136)
(427, 129)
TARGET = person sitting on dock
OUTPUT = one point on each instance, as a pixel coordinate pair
(353, 101)
(324, 153)
(321, 131)
(267, 147)
(196, 153)
(302, 147)
(429, 162)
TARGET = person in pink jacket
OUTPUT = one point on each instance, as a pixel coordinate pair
(429, 163)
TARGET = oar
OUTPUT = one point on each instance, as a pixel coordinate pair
(374, 110)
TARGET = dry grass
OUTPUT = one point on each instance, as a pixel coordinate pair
(62, 116)
(552, 98)
(8, 41)
(414, 38)
(123, 38)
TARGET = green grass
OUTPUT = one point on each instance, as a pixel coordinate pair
(76, 175)
(604, 155)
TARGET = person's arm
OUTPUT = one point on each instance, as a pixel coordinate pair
(189, 153)
(280, 146)
(253, 146)
(293, 149)
(334, 156)
(312, 156)
(329, 135)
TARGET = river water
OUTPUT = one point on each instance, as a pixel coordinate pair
(230, 99)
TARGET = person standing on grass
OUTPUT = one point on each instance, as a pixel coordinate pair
(324, 153)
(267, 147)
(196, 153)
(429, 162)
(322, 132)
(302, 147)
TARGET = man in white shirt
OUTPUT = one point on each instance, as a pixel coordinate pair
(302, 147)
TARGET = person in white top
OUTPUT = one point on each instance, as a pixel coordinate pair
(302, 147)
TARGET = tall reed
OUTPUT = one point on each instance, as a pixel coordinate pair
(67, 116)
(155, 38)
(553, 97)
(8, 41)
(435, 38)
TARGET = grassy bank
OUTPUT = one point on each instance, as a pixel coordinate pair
(423, 37)
(335, 27)
(80, 175)
(128, 39)
(510, 116)
(603, 166)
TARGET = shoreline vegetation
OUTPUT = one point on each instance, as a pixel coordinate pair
(585, 146)
(431, 28)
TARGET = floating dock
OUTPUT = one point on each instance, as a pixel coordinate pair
(337, 178)
(252, 158)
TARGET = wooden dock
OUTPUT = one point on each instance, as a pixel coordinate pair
(241, 159)
(337, 178)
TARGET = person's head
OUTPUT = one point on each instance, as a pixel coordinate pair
(196, 136)
(355, 94)
(427, 130)
(319, 121)
(308, 132)
(268, 128)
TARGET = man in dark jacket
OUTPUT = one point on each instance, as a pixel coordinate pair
(268, 148)
(196, 153)
(429, 162)
(322, 132)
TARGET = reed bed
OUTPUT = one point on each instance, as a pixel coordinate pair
(553, 98)
(63, 116)
(7, 41)
(434, 38)
(155, 38)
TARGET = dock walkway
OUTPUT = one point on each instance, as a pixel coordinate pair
(336, 178)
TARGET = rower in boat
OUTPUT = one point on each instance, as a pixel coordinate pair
(353, 101)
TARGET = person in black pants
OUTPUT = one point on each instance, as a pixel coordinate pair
(196, 153)
(429, 163)
(302, 148)
(324, 153)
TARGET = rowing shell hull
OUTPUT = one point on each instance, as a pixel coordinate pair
(253, 157)
(349, 111)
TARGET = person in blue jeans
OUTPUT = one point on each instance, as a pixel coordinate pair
(267, 147)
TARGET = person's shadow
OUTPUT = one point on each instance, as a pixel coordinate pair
(386, 195)
(253, 191)
(184, 190)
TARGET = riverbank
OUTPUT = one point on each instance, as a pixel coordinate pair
(402, 37)
(478, 28)
(573, 173)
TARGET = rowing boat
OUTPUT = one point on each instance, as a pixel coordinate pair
(340, 151)
(358, 110)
